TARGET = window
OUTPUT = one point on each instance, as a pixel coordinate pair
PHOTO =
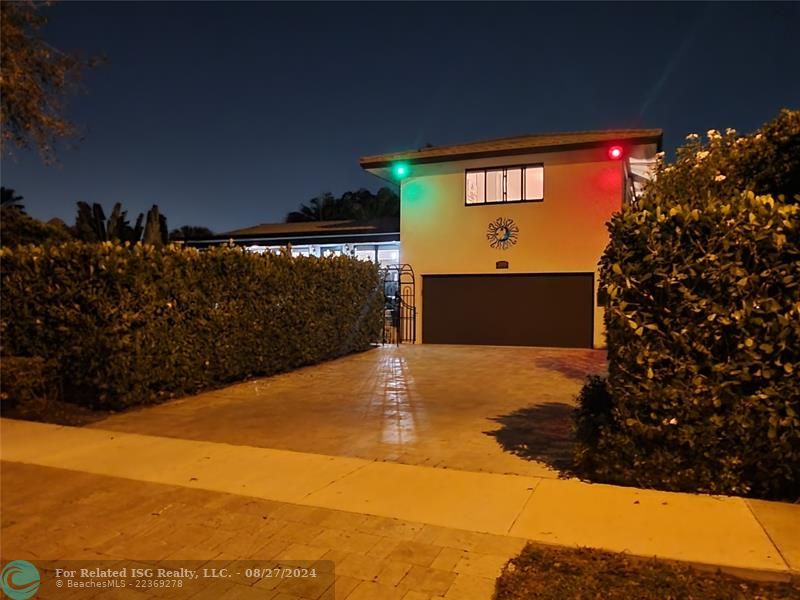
(476, 187)
(362, 254)
(513, 185)
(534, 183)
(494, 186)
(506, 184)
(388, 257)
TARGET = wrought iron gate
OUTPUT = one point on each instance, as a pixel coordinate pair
(400, 311)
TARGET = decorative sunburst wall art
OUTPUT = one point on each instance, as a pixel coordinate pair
(502, 233)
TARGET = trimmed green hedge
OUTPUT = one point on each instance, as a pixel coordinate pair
(131, 325)
(702, 287)
(24, 380)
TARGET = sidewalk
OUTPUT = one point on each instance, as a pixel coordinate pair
(749, 537)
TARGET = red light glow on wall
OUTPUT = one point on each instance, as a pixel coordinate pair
(615, 152)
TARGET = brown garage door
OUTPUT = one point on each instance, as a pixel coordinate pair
(509, 310)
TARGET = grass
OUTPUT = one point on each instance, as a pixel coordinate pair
(544, 573)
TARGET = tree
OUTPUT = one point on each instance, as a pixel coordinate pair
(383, 205)
(9, 198)
(35, 78)
(320, 208)
(155, 228)
(190, 232)
(91, 225)
(360, 205)
(17, 227)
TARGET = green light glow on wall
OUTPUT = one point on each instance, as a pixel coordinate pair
(414, 191)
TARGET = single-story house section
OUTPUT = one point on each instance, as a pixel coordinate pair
(377, 241)
(504, 236)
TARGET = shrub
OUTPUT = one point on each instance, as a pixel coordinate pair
(133, 325)
(766, 162)
(29, 389)
(591, 416)
(24, 380)
(17, 228)
(702, 287)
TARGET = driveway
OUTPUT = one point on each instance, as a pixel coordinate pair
(476, 408)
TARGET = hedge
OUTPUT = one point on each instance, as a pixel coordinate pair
(702, 309)
(25, 380)
(132, 325)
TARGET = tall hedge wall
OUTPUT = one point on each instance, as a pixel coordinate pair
(131, 325)
(702, 280)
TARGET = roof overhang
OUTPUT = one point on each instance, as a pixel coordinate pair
(514, 147)
(351, 237)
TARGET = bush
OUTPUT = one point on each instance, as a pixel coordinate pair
(25, 380)
(17, 228)
(29, 389)
(132, 325)
(591, 417)
(702, 287)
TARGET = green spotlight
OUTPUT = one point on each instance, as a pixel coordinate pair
(400, 170)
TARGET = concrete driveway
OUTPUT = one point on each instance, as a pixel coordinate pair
(476, 408)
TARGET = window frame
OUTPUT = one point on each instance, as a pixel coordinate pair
(504, 169)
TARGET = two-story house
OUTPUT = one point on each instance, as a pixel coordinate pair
(504, 236)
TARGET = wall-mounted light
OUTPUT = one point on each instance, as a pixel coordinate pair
(400, 170)
(615, 152)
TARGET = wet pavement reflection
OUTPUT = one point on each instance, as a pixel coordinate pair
(398, 412)
(425, 404)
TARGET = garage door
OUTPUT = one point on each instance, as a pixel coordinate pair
(509, 310)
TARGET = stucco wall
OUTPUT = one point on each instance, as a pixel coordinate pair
(564, 233)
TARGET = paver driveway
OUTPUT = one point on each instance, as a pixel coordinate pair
(461, 407)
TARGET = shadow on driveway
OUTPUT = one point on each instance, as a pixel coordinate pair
(542, 433)
(573, 367)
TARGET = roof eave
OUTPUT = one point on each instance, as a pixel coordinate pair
(379, 161)
(267, 240)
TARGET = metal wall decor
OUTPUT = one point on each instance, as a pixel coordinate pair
(502, 233)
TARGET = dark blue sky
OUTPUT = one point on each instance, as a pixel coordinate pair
(230, 114)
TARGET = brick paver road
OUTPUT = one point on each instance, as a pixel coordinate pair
(58, 514)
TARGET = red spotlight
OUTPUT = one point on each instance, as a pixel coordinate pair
(615, 152)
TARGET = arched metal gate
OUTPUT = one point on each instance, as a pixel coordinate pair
(400, 311)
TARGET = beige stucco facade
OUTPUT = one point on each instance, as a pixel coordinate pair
(564, 233)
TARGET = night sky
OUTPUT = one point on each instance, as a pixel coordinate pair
(231, 114)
